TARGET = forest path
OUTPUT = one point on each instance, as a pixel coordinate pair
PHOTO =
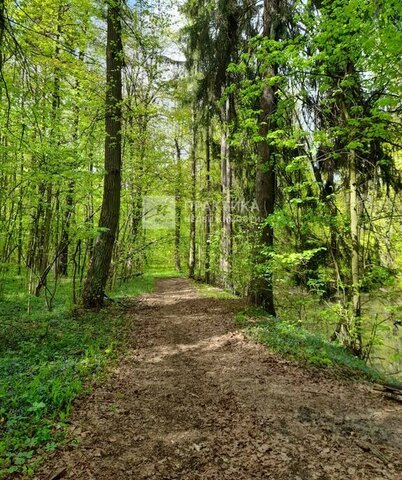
(194, 399)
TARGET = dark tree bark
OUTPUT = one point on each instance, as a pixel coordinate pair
(265, 189)
(99, 265)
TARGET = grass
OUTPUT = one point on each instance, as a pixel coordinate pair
(47, 359)
(167, 273)
(213, 292)
(296, 343)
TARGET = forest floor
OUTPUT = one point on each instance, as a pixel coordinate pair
(194, 399)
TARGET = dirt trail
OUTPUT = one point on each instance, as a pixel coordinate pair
(194, 399)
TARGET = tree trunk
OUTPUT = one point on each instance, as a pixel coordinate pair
(138, 201)
(355, 257)
(20, 219)
(99, 266)
(226, 185)
(178, 208)
(62, 263)
(193, 217)
(2, 32)
(34, 230)
(208, 206)
(44, 234)
(265, 188)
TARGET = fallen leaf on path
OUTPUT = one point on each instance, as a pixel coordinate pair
(59, 474)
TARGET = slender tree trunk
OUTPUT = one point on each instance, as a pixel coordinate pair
(34, 232)
(21, 197)
(178, 208)
(41, 226)
(20, 218)
(265, 187)
(193, 217)
(2, 32)
(90, 211)
(208, 207)
(226, 185)
(99, 266)
(62, 263)
(138, 210)
(44, 234)
(327, 189)
(138, 200)
(44, 238)
(355, 257)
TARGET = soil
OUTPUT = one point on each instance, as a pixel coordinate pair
(194, 399)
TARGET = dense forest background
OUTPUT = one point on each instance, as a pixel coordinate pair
(260, 148)
(255, 146)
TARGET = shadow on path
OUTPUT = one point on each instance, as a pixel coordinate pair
(194, 399)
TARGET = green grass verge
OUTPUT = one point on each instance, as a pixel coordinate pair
(298, 344)
(47, 359)
(212, 292)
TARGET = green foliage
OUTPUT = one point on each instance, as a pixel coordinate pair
(295, 259)
(378, 276)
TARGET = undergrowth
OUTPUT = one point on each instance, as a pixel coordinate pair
(47, 359)
(296, 343)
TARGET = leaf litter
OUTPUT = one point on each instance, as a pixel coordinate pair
(194, 399)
